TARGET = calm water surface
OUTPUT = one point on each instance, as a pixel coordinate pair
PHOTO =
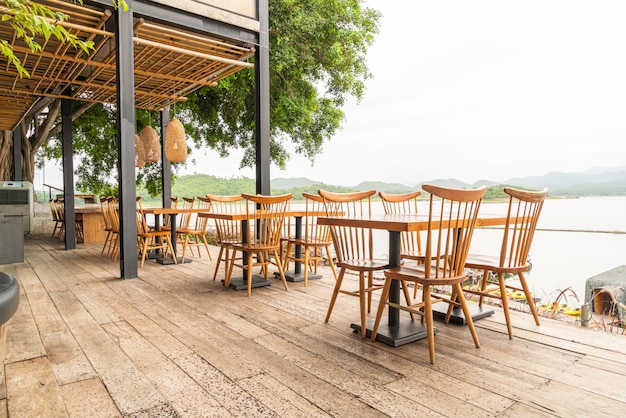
(563, 258)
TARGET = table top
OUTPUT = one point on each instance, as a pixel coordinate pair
(244, 216)
(400, 222)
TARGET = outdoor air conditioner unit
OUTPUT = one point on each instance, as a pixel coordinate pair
(18, 195)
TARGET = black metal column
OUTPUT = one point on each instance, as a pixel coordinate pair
(126, 141)
(262, 101)
(17, 153)
(68, 174)
(166, 167)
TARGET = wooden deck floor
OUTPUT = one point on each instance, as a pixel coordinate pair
(176, 343)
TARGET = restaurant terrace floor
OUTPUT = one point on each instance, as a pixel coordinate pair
(173, 342)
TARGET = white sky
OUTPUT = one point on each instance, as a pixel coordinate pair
(504, 88)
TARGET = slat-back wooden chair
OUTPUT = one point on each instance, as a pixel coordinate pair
(266, 216)
(314, 238)
(228, 231)
(353, 248)
(198, 230)
(58, 222)
(151, 240)
(451, 219)
(108, 228)
(184, 218)
(522, 216)
(114, 216)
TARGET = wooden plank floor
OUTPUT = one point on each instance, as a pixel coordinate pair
(176, 343)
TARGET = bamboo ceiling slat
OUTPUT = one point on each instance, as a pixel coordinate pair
(169, 63)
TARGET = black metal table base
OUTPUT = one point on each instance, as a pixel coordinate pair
(441, 309)
(168, 260)
(239, 283)
(292, 276)
(407, 332)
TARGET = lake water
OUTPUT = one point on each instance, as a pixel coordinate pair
(562, 258)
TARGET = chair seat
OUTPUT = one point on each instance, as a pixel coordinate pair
(492, 263)
(364, 265)
(418, 274)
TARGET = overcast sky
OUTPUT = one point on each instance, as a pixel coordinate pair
(478, 89)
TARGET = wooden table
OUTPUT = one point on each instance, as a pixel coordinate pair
(172, 212)
(398, 332)
(93, 222)
(241, 283)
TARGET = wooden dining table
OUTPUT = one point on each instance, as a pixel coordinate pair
(172, 212)
(92, 219)
(397, 331)
(295, 275)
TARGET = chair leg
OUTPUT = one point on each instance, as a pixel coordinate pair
(505, 304)
(467, 313)
(250, 261)
(229, 267)
(306, 265)
(219, 260)
(407, 297)
(430, 327)
(362, 301)
(370, 284)
(171, 248)
(206, 246)
(529, 297)
(281, 271)
(381, 307)
(335, 293)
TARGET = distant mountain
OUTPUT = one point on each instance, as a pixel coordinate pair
(292, 183)
(595, 181)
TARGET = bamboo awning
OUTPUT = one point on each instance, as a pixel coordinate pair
(169, 63)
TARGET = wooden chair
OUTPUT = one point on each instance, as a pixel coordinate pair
(451, 221)
(108, 228)
(56, 218)
(114, 217)
(405, 203)
(353, 248)
(228, 231)
(198, 230)
(151, 240)
(183, 219)
(314, 238)
(522, 216)
(266, 216)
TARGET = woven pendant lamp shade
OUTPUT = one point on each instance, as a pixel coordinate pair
(175, 144)
(151, 144)
(140, 160)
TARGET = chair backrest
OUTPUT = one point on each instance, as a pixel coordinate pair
(521, 222)
(266, 217)
(313, 232)
(227, 230)
(351, 243)
(405, 203)
(185, 217)
(114, 216)
(451, 220)
(204, 203)
(53, 210)
(104, 204)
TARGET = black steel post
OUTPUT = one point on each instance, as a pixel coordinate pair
(126, 141)
(68, 173)
(262, 102)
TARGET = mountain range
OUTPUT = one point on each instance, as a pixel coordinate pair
(598, 181)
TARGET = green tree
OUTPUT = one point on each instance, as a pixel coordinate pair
(317, 61)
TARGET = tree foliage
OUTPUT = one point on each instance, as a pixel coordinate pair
(317, 61)
(30, 19)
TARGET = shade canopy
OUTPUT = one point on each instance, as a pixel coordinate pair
(169, 62)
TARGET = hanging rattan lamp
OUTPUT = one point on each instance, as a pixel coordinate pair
(175, 144)
(140, 158)
(151, 145)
